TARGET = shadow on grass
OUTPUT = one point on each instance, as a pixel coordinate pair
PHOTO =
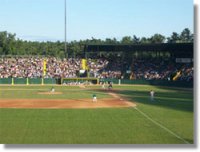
(173, 100)
(178, 99)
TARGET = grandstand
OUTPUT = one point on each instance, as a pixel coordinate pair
(166, 62)
(145, 61)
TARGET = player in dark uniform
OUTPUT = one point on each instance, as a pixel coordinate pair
(110, 85)
(94, 98)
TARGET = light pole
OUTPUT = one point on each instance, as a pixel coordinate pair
(66, 55)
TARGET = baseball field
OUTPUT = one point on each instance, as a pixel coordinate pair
(123, 115)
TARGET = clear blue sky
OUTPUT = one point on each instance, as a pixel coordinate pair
(44, 19)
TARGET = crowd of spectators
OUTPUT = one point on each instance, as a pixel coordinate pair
(20, 67)
(187, 72)
(113, 69)
(161, 69)
(149, 69)
(62, 68)
(32, 67)
(97, 65)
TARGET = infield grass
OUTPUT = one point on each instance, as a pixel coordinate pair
(173, 109)
(32, 92)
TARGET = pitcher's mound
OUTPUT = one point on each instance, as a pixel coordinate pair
(50, 93)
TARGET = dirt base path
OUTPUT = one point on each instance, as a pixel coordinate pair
(55, 103)
(115, 102)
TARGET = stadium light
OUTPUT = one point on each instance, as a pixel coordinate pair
(66, 55)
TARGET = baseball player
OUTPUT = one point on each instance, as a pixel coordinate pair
(152, 95)
(52, 89)
(94, 98)
(103, 85)
(109, 85)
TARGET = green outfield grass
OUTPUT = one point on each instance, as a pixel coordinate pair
(172, 110)
(31, 92)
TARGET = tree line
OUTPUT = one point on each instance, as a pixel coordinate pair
(10, 45)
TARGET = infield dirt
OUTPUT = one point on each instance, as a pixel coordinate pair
(114, 102)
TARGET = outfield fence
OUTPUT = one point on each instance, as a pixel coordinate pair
(43, 81)
(27, 81)
(184, 84)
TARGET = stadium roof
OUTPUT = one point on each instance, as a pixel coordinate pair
(177, 49)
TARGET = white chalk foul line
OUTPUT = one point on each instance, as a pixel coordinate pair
(161, 126)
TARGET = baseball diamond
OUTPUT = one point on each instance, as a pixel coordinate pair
(98, 72)
(71, 117)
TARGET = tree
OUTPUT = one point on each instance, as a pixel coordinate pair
(157, 38)
(3, 42)
(136, 39)
(175, 38)
(145, 40)
(9, 45)
(126, 40)
(111, 41)
(96, 41)
(186, 36)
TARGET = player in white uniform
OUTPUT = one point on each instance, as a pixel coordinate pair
(52, 89)
(103, 85)
(152, 95)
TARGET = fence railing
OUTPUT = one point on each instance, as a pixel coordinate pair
(43, 81)
(184, 84)
(27, 81)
